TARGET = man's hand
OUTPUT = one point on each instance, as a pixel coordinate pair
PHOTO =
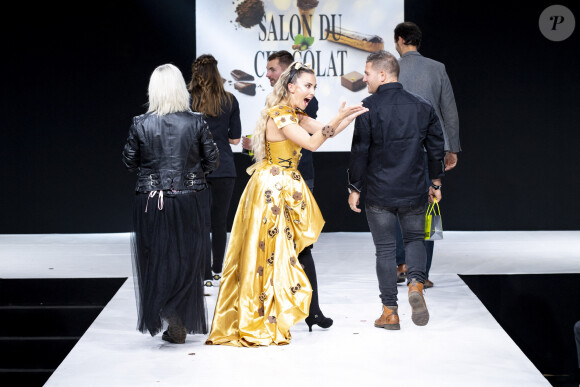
(353, 201)
(434, 194)
(246, 143)
(450, 160)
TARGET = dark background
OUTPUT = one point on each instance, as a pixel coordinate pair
(535, 311)
(75, 75)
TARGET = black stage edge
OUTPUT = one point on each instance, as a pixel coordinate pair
(43, 319)
(538, 311)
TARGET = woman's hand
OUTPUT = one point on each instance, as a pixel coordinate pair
(346, 114)
(247, 143)
(352, 111)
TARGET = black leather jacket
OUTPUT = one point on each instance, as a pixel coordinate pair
(171, 152)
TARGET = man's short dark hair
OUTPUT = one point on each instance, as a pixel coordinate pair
(410, 33)
(283, 56)
(384, 60)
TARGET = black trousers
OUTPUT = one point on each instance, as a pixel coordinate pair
(305, 258)
(221, 190)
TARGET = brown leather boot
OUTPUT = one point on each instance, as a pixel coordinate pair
(389, 319)
(419, 314)
(401, 273)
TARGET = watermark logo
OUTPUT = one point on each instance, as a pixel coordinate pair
(557, 23)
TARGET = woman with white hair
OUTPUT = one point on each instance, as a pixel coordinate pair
(264, 290)
(172, 150)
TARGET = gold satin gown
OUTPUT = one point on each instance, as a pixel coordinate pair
(264, 290)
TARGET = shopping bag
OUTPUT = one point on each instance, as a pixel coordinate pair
(433, 225)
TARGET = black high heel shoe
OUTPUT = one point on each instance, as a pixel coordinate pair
(318, 319)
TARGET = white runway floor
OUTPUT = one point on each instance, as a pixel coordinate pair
(461, 346)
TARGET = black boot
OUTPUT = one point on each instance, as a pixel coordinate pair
(315, 316)
(175, 332)
(318, 319)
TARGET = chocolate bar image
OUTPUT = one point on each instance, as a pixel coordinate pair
(245, 88)
(370, 43)
(240, 75)
(353, 81)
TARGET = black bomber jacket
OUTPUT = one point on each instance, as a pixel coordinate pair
(170, 152)
(396, 147)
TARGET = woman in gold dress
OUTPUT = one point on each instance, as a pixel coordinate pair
(264, 290)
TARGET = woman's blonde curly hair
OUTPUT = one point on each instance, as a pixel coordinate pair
(279, 96)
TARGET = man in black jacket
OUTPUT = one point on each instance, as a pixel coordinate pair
(387, 162)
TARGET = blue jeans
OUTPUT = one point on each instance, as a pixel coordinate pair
(429, 246)
(383, 224)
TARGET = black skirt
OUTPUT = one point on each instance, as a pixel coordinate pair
(168, 263)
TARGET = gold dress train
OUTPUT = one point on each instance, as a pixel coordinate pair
(264, 290)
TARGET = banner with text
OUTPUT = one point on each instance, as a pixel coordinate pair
(333, 37)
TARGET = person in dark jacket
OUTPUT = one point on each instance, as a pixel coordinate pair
(221, 111)
(172, 150)
(387, 163)
(428, 79)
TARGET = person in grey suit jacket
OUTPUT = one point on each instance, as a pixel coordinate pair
(428, 79)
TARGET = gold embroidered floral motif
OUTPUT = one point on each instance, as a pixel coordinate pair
(268, 195)
(294, 153)
(272, 319)
(273, 232)
(272, 281)
(297, 195)
(303, 206)
(276, 113)
(296, 221)
(289, 110)
(288, 233)
(282, 119)
(262, 297)
(293, 119)
(296, 288)
(271, 259)
(264, 220)
(278, 186)
(261, 311)
(287, 214)
(328, 131)
(293, 261)
(275, 171)
(262, 245)
(260, 271)
(276, 210)
(295, 176)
